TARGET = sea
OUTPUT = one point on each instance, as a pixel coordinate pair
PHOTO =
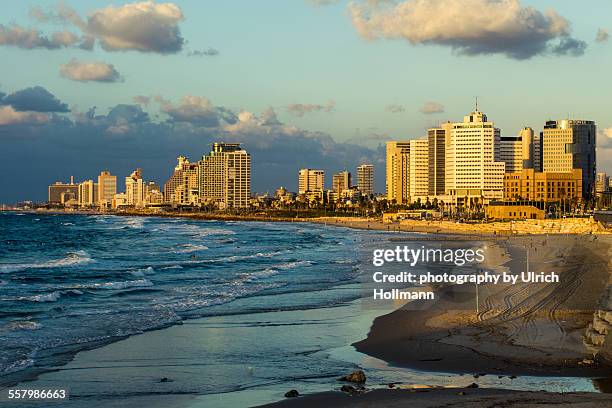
(253, 309)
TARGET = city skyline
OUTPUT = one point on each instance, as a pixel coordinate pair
(294, 101)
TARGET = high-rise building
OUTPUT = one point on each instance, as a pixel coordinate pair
(517, 151)
(570, 144)
(365, 179)
(88, 194)
(407, 170)
(59, 193)
(602, 183)
(397, 187)
(437, 139)
(135, 189)
(154, 195)
(183, 186)
(341, 181)
(474, 168)
(107, 188)
(310, 180)
(418, 170)
(225, 177)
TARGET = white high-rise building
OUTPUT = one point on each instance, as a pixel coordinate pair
(473, 165)
(107, 188)
(311, 180)
(517, 151)
(365, 179)
(88, 194)
(418, 169)
(135, 189)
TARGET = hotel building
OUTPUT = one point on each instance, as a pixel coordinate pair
(517, 151)
(365, 179)
(88, 194)
(568, 145)
(437, 140)
(60, 193)
(474, 169)
(310, 180)
(407, 170)
(225, 176)
(183, 186)
(135, 189)
(107, 188)
(529, 185)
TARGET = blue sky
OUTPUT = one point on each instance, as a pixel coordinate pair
(283, 52)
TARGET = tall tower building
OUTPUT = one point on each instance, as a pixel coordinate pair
(473, 165)
(311, 180)
(517, 151)
(398, 155)
(183, 186)
(437, 139)
(418, 169)
(341, 181)
(365, 179)
(226, 176)
(88, 194)
(570, 144)
(107, 188)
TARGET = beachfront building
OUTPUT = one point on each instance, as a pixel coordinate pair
(365, 179)
(183, 186)
(437, 139)
(135, 189)
(602, 183)
(517, 151)
(340, 182)
(61, 193)
(107, 188)
(88, 194)
(225, 176)
(474, 170)
(154, 195)
(310, 180)
(529, 185)
(569, 144)
(407, 170)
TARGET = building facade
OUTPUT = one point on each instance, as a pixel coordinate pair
(341, 181)
(437, 139)
(183, 186)
(107, 188)
(88, 194)
(365, 179)
(568, 145)
(397, 161)
(311, 180)
(60, 193)
(135, 189)
(418, 169)
(225, 176)
(529, 185)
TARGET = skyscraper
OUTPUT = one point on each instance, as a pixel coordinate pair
(398, 155)
(437, 139)
(183, 186)
(88, 194)
(570, 144)
(365, 179)
(107, 188)
(418, 170)
(473, 165)
(341, 181)
(517, 151)
(226, 176)
(311, 180)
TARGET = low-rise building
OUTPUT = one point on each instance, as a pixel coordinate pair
(543, 186)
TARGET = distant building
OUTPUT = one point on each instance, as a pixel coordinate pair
(570, 144)
(311, 180)
(135, 189)
(341, 181)
(510, 211)
(226, 176)
(365, 179)
(88, 194)
(517, 151)
(59, 193)
(474, 170)
(154, 195)
(183, 186)
(602, 183)
(407, 170)
(543, 187)
(437, 140)
(107, 188)
(119, 200)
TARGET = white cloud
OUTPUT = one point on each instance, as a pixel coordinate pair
(28, 38)
(9, 116)
(469, 27)
(89, 71)
(196, 110)
(432, 107)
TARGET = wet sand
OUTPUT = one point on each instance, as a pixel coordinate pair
(455, 397)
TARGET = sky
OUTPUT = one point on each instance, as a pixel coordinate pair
(92, 85)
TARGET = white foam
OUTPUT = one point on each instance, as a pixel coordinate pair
(189, 248)
(71, 259)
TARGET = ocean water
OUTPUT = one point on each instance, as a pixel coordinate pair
(73, 281)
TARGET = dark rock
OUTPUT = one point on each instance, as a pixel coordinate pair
(357, 377)
(165, 379)
(348, 388)
(512, 377)
(292, 394)
(391, 385)
(472, 385)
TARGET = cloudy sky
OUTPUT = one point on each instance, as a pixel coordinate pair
(86, 86)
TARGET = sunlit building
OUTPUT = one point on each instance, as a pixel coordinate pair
(88, 194)
(225, 176)
(59, 193)
(341, 181)
(311, 180)
(107, 188)
(365, 179)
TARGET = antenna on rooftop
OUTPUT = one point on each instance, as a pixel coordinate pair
(476, 104)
